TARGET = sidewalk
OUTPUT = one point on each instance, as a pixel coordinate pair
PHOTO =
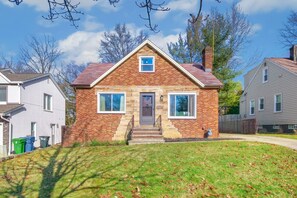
(290, 143)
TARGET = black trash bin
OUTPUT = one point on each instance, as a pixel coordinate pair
(43, 141)
(29, 143)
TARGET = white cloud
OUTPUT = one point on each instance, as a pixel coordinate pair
(81, 47)
(90, 24)
(7, 3)
(161, 41)
(255, 28)
(178, 5)
(255, 6)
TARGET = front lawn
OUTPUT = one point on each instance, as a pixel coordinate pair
(225, 169)
(289, 136)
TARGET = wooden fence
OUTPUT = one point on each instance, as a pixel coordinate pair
(235, 124)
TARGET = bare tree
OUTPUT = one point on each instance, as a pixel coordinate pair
(118, 43)
(289, 31)
(40, 55)
(69, 10)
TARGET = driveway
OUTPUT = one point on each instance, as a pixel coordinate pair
(266, 139)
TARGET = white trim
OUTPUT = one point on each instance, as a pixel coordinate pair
(148, 42)
(140, 64)
(259, 103)
(110, 112)
(183, 93)
(265, 68)
(274, 103)
(250, 109)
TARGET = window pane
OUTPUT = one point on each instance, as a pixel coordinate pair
(118, 102)
(147, 61)
(181, 105)
(147, 68)
(49, 102)
(44, 101)
(278, 98)
(105, 102)
(172, 105)
(2, 94)
(191, 105)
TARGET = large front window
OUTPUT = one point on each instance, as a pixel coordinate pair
(3, 94)
(111, 102)
(182, 105)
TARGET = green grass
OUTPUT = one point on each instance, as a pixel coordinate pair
(289, 136)
(223, 169)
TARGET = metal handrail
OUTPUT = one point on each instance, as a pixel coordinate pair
(158, 123)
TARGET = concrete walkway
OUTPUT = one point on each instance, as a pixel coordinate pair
(290, 143)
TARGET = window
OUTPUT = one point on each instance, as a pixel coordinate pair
(292, 126)
(278, 103)
(111, 102)
(147, 64)
(252, 107)
(33, 129)
(47, 102)
(182, 105)
(265, 74)
(3, 94)
(261, 104)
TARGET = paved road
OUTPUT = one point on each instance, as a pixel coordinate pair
(266, 139)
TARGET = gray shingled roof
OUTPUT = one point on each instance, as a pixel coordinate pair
(22, 76)
(9, 108)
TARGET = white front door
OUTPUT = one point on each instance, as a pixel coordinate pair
(53, 133)
(1, 133)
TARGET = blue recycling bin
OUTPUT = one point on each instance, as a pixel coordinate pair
(29, 143)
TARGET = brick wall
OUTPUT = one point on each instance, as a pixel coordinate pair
(91, 125)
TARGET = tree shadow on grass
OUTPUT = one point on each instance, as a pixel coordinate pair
(64, 171)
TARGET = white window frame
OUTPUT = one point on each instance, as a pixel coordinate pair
(183, 93)
(274, 103)
(292, 126)
(34, 129)
(45, 100)
(140, 64)
(111, 112)
(6, 89)
(250, 111)
(263, 74)
(259, 104)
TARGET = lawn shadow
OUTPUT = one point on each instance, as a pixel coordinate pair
(14, 180)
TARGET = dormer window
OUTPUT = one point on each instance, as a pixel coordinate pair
(3, 94)
(147, 64)
(265, 74)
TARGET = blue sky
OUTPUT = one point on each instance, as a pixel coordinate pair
(81, 45)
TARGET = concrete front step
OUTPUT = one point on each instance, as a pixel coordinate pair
(147, 136)
(146, 141)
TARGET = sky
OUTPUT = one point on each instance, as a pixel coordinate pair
(80, 45)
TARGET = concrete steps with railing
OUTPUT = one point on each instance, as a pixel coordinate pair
(146, 135)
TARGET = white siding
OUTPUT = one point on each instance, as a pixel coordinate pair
(3, 80)
(32, 97)
(13, 94)
(280, 81)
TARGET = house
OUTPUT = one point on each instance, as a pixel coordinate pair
(270, 94)
(30, 104)
(147, 91)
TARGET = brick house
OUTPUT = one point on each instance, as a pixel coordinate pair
(147, 94)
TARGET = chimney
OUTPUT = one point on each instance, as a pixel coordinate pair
(293, 53)
(207, 58)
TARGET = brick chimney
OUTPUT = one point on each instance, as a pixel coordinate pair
(293, 53)
(207, 58)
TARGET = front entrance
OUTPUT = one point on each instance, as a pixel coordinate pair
(147, 108)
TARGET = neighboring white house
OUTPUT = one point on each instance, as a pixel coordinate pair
(30, 104)
(270, 94)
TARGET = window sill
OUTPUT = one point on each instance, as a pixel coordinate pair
(111, 112)
(260, 110)
(277, 111)
(50, 111)
(182, 118)
(147, 71)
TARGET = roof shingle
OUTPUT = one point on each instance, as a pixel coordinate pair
(9, 108)
(286, 63)
(21, 76)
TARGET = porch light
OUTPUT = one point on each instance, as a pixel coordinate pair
(161, 98)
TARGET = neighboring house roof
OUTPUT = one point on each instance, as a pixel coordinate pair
(285, 63)
(23, 77)
(4, 109)
(94, 73)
